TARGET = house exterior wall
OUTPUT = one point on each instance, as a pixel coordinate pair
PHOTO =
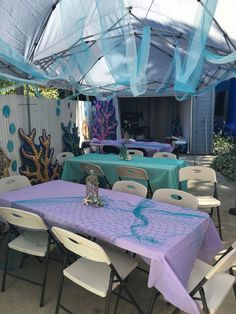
(203, 123)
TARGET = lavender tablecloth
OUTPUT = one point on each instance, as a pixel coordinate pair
(150, 147)
(169, 237)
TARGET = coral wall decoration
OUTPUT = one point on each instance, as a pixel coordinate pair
(5, 163)
(71, 139)
(104, 123)
(37, 159)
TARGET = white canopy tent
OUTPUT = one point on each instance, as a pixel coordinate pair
(108, 47)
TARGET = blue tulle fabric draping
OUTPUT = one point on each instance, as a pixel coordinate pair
(102, 51)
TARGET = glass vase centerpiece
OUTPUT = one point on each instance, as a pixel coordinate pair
(123, 153)
(92, 185)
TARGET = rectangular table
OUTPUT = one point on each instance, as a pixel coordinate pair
(163, 172)
(149, 147)
(169, 237)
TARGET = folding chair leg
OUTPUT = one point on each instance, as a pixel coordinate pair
(234, 288)
(45, 272)
(203, 298)
(151, 305)
(108, 300)
(219, 221)
(150, 193)
(39, 260)
(59, 294)
(118, 299)
(23, 260)
(211, 213)
(61, 284)
(5, 269)
(107, 182)
(6, 259)
(133, 300)
(82, 181)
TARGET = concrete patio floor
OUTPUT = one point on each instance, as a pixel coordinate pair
(23, 298)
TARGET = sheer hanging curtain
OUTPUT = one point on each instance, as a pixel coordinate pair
(83, 115)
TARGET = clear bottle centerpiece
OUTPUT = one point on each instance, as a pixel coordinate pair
(123, 152)
(92, 185)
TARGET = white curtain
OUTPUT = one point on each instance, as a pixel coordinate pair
(84, 112)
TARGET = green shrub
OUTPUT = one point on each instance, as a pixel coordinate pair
(225, 160)
(223, 144)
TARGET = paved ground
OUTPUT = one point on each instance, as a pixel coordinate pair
(23, 298)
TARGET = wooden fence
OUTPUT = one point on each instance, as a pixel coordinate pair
(40, 114)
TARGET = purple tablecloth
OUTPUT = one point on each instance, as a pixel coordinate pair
(149, 147)
(169, 237)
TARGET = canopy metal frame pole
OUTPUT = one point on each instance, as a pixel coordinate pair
(78, 42)
(164, 35)
(225, 35)
(28, 108)
(46, 62)
(41, 30)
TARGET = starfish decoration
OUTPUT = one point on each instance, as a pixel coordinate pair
(98, 202)
(86, 201)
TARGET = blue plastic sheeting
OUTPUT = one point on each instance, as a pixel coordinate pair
(106, 48)
(231, 121)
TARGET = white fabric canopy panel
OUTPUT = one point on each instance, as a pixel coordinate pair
(102, 48)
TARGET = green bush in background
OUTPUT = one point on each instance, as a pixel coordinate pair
(225, 160)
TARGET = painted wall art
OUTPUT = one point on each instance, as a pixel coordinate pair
(104, 123)
(5, 163)
(71, 138)
(37, 158)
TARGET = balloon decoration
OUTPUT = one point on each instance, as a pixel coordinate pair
(5, 163)
(37, 158)
(71, 139)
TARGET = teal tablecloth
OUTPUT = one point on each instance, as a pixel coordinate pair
(163, 172)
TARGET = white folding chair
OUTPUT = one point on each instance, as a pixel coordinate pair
(209, 285)
(14, 183)
(130, 187)
(62, 157)
(176, 197)
(203, 175)
(164, 155)
(87, 167)
(33, 239)
(97, 270)
(135, 152)
(134, 173)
